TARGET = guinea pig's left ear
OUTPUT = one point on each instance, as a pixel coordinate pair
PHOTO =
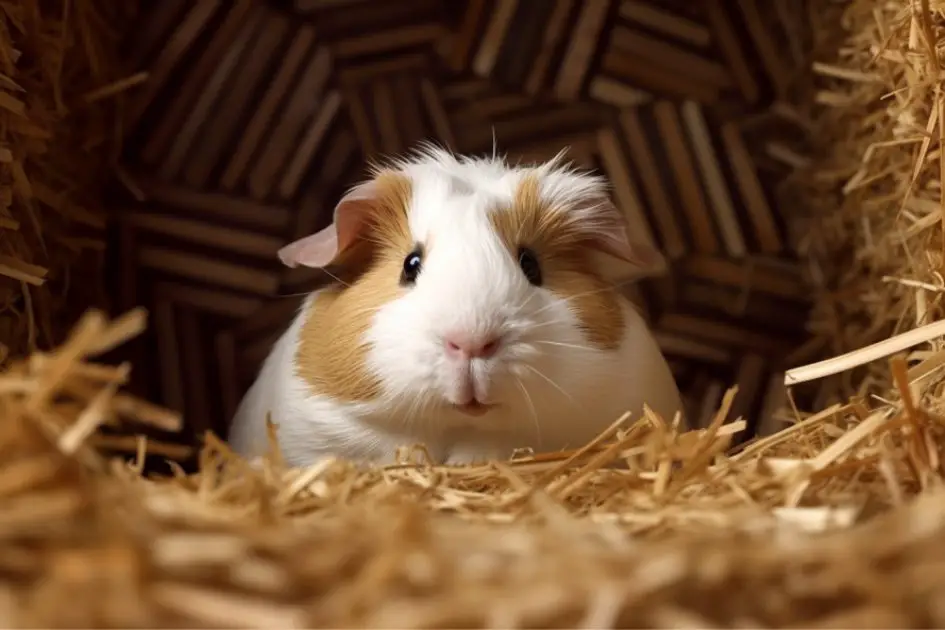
(351, 219)
(609, 233)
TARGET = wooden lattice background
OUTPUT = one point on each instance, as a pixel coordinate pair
(258, 115)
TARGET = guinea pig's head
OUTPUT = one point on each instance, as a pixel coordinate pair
(478, 284)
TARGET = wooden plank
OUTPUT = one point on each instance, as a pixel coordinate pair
(686, 178)
(766, 45)
(724, 334)
(487, 108)
(389, 41)
(626, 68)
(275, 315)
(230, 391)
(128, 273)
(362, 122)
(369, 71)
(405, 90)
(183, 97)
(463, 40)
(194, 373)
(154, 27)
(678, 344)
(200, 232)
(775, 400)
(306, 6)
(553, 36)
(665, 22)
(336, 26)
(577, 58)
(387, 123)
(517, 53)
(653, 185)
(725, 36)
(618, 94)
(751, 378)
(221, 206)
(187, 31)
(624, 190)
(311, 141)
(716, 185)
(267, 108)
(208, 270)
(759, 212)
(222, 303)
(224, 126)
(172, 392)
(779, 317)
(303, 102)
(202, 107)
(488, 50)
(682, 65)
(756, 277)
(434, 108)
(316, 207)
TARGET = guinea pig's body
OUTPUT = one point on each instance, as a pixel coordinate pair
(478, 320)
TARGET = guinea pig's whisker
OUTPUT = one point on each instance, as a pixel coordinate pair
(550, 322)
(524, 304)
(337, 279)
(572, 297)
(416, 408)
(291, 295)
(531, 407)
(563, 345)
(552, 383)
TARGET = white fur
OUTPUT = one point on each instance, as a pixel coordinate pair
(554, 390)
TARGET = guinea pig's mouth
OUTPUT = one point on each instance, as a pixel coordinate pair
(474, 408)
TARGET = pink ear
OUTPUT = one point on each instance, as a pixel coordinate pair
(350, 220)
(610, 234)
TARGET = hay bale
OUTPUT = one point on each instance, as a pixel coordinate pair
(59, 78)
(873, 198)
(833, 522)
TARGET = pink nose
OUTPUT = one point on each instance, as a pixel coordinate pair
(466, 347)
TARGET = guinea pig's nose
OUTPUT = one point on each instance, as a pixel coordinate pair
(465, 346)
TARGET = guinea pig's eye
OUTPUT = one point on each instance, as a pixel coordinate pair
(529, 264)
(412, 264)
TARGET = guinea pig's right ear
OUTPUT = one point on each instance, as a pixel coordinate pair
(351, 220)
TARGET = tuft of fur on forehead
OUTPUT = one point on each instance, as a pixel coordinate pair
(542, 217)
(332, 350)
(560, 182)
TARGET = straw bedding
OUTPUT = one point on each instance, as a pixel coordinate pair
(836, 521)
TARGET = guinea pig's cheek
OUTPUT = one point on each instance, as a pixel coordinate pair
(414, 335)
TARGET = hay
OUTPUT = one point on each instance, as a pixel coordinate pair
(875, 194)
(536, 541)
(833, 522)
(58, 80)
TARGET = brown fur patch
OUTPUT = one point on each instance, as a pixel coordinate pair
(567, 268)
(332, 350)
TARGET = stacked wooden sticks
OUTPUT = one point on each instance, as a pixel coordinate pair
(256, 117)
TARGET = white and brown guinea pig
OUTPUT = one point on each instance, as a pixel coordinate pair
(476, 318)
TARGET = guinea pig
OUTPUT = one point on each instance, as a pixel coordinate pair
(473, 314)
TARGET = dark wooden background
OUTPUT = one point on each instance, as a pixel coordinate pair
(258, 115)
